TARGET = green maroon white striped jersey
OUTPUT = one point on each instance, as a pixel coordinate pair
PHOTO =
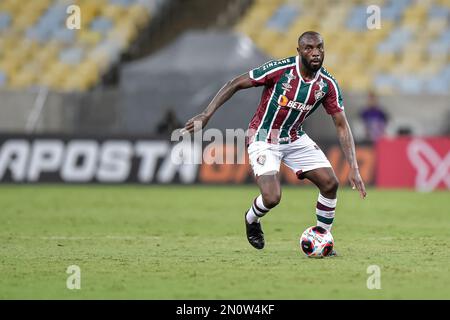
(287, 100)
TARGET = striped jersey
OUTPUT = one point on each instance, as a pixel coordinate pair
(287, 100)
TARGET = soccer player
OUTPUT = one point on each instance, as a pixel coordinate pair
(293, 89)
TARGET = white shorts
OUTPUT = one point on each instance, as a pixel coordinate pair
(300, 156)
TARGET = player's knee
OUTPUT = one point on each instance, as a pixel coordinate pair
(331, 185)
(271, 200)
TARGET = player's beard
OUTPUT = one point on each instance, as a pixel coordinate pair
(311, 67)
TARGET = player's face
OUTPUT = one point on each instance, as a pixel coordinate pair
(312, 52)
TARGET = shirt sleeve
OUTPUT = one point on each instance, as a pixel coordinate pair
(333, 102)
(263, 76)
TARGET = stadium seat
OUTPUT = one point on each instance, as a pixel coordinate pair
(3, 79)
(414, 38)
(35, 31)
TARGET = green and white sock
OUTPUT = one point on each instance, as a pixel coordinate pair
(325, 210)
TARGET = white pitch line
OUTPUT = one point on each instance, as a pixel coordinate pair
(89, 238)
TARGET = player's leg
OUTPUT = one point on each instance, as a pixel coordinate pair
(306, 159)
(326, 181)
(270, 188)
(265, 160)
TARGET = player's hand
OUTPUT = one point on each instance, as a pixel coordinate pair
(356, 182)
(196, 123)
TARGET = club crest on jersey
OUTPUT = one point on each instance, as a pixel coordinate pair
(261, 159)
(319, 94)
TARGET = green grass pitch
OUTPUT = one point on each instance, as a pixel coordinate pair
(177, 242)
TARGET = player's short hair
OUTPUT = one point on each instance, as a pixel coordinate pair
(308, 34)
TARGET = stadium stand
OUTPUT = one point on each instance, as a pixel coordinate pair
(409, 53)
(37, 49)
(106, 79)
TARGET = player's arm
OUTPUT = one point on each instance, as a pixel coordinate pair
(348, 147)
(225, 93)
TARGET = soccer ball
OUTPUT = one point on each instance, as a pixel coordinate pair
(316, 242)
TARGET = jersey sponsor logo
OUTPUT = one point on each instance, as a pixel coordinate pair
(274, 63)
(91, 160)
(432, 169)
(285, 102)
(290, 77)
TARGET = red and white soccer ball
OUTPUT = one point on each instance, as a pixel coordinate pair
(316, 242)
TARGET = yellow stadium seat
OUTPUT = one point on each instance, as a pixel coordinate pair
(9, 43)
(21, 80)
(9, 67)
(26, 49)
(385, 90)
(90, 10)
(100, 58)
(302, 24)
(360, 82)
(139, 15)
(444, 3)
(60, 70)
(123, 34)
(114, 12)
(414, 16)
(11, 6)
(379, 3)
(431, 69)
(88, 37)
(56, 75)
(268, 39)
(434, 27)
(33, 68)
(383, 62)
(25, 19)
(47, 54)
(84, 77)
(28, 63)
(284, 49)
(76, 83)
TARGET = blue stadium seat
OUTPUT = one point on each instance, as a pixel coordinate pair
(283, 17)
(357, 19)
(439, 12)
(384, 80)
(102, 25)
(64, 35)
(72, 55)
(395, 41)
(411, 84)
(38, 34)
(2, 79)
(438, 85)
(5, 20)
(124, 3)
